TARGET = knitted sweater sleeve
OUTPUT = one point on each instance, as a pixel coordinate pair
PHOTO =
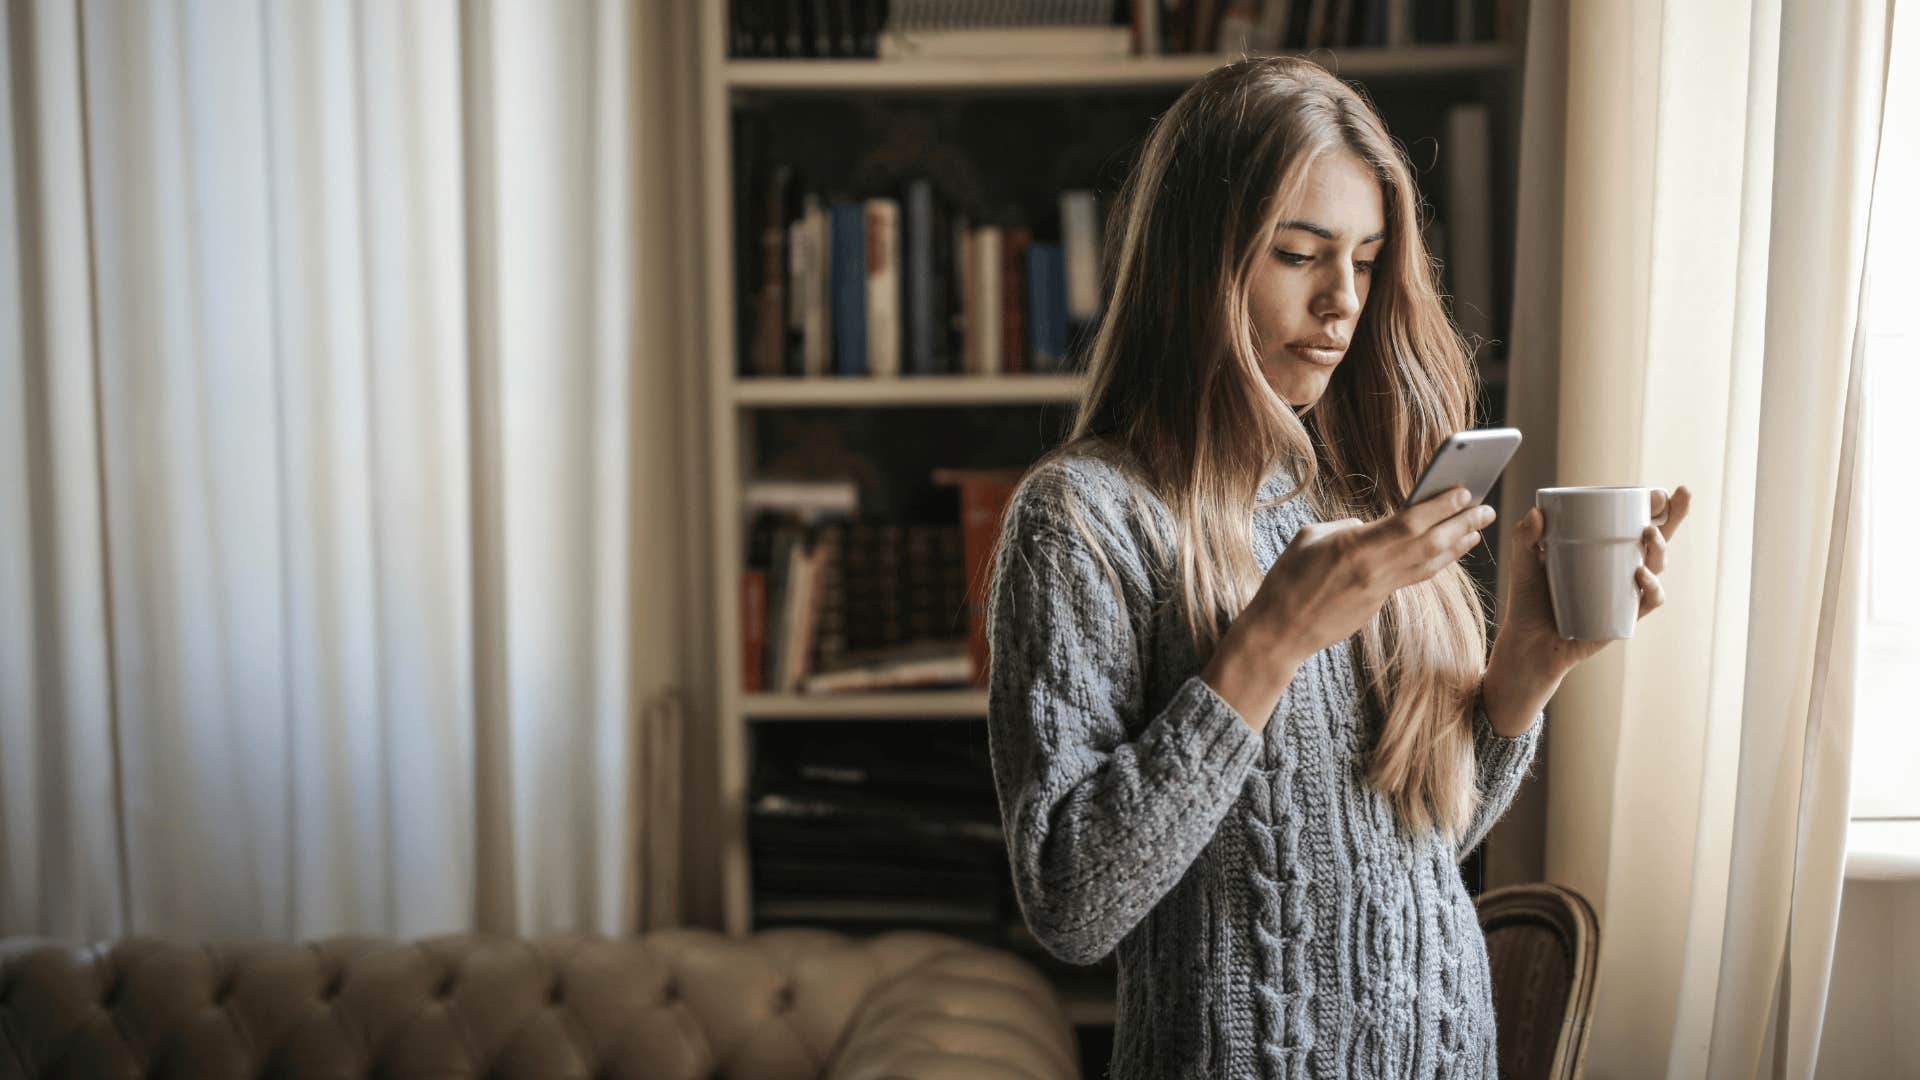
(1103, 808)
(1500, 764)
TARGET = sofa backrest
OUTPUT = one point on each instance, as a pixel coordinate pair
(673, 1004)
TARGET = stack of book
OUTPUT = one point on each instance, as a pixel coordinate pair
(832, 604)
(915, 29)
(868, 827)
(905, 283)
(1232, 27)
(978, 29)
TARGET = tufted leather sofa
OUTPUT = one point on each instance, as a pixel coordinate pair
(790, 1003)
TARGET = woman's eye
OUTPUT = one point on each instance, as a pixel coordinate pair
(1364, 266)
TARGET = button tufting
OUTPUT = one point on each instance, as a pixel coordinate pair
(784, 999)
(445, 989)
(553, 993)
(671, 990)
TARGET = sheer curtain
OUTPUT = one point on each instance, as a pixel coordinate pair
(1703, 193)
(340, 386)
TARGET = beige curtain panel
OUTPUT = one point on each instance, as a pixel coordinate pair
(1692, 230)
(342, 370)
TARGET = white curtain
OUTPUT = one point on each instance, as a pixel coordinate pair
(340, 380)
(1705, 192)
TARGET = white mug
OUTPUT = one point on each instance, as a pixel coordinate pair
(1591, 536)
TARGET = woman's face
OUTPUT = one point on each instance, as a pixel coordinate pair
(1308, 290)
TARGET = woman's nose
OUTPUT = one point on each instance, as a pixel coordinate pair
(1339, 298)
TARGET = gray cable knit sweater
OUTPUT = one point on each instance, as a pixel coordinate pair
(1271, 917)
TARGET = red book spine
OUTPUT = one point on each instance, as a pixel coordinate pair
(983, 501)
(753, 628)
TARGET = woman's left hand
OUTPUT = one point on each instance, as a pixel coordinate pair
(1528, 635)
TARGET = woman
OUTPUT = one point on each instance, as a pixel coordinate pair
(1197, 764)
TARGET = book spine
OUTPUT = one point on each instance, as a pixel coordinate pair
(753, 628)
(770, 313)
(986, 301)
(883, 287)
(1270, 33)
(802, 259)
(1013, 298)
(916, 213)
(964, 271)
(850, 289)
(983, 502)
(816, 333)
(1080, 236)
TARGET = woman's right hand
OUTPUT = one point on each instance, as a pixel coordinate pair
(1334, 576)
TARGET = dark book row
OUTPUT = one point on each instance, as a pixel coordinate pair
(834, 595)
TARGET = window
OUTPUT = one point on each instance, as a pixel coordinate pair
(1886, 746)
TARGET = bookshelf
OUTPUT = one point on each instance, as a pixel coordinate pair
(1414, 80)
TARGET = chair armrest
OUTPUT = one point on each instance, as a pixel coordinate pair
(964, 1013)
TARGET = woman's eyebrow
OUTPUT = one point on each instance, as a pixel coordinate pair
(1325, 233)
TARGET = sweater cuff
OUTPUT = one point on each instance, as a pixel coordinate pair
(1500, 754)
(1211, 736)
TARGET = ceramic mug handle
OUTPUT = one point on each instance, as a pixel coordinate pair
(1665, 509)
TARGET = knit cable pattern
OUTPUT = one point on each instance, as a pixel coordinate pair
(1271, 918)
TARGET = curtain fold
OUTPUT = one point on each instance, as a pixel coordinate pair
(334, 368)
(1711, 191)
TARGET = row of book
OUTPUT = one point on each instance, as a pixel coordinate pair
(975, 29)
(908, 284)
(834, 604)
(865, 827)
(1235, 27)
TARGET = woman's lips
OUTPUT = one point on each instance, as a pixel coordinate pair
(1322, 357)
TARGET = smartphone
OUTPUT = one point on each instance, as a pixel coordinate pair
(1469, 459)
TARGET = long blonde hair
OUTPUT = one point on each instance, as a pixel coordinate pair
(1177, 398)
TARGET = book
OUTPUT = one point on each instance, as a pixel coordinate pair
(770, 342)
(1004, 42)
(816, 274)
(804, 499)
(917, 261)
(984, 494)
(1147, 39)
(753, 627)
(1046, 308)
(849, 286)
(984, 313)
(1014, 241)
(883, 287)
(1080, 239)
(946, 666)
(801, 612)
(1270, 31)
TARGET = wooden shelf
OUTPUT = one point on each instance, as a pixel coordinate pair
(907, 390)
(872, 705)
(1144, 71)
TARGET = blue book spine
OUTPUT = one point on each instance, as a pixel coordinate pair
(1047, 286)
(917, 283)
(1058, 323)
(1038, 305)
(849, 288)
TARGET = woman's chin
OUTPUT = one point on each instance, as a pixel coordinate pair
(1300, 388)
